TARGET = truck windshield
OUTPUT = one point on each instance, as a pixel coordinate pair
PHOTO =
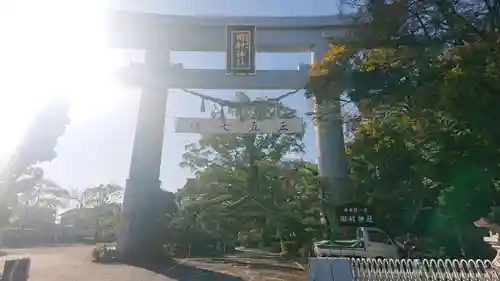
(378, 236)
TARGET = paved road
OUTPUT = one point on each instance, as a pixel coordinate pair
(74, 263)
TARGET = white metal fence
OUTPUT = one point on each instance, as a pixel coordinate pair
(343, 269)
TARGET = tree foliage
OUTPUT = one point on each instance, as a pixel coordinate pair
(247, 189)
(99, 206)
(21, 176)
(30, 216)
(38, 145)
(34, 201)
(424, 76)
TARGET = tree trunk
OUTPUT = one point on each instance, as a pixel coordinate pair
(282, 242)
(459, 236)
(97, 227)
(416, 212)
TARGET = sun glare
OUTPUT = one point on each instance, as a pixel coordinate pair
(52, 48)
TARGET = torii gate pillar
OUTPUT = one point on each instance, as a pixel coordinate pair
(138, 236)
(332, 161)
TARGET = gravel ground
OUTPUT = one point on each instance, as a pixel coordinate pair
(63, 263)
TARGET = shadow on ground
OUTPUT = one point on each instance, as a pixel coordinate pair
(185, 272)
(258, 265)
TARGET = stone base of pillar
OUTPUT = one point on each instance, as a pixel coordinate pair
(140, 230)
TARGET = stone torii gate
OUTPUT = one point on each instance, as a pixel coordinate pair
(160, 34)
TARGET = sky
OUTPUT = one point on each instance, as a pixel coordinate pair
(57, 48)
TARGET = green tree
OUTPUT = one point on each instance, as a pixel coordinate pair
(38, 146)
(102, 205)
(37, 200)
(34, 189)
(424, 77)
(286, 212)
(101, 195)
(244, 186)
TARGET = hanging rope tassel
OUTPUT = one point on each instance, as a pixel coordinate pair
(202, 109)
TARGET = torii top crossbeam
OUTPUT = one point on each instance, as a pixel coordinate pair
(137, 30)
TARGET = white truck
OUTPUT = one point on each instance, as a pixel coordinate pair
(370, 242)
